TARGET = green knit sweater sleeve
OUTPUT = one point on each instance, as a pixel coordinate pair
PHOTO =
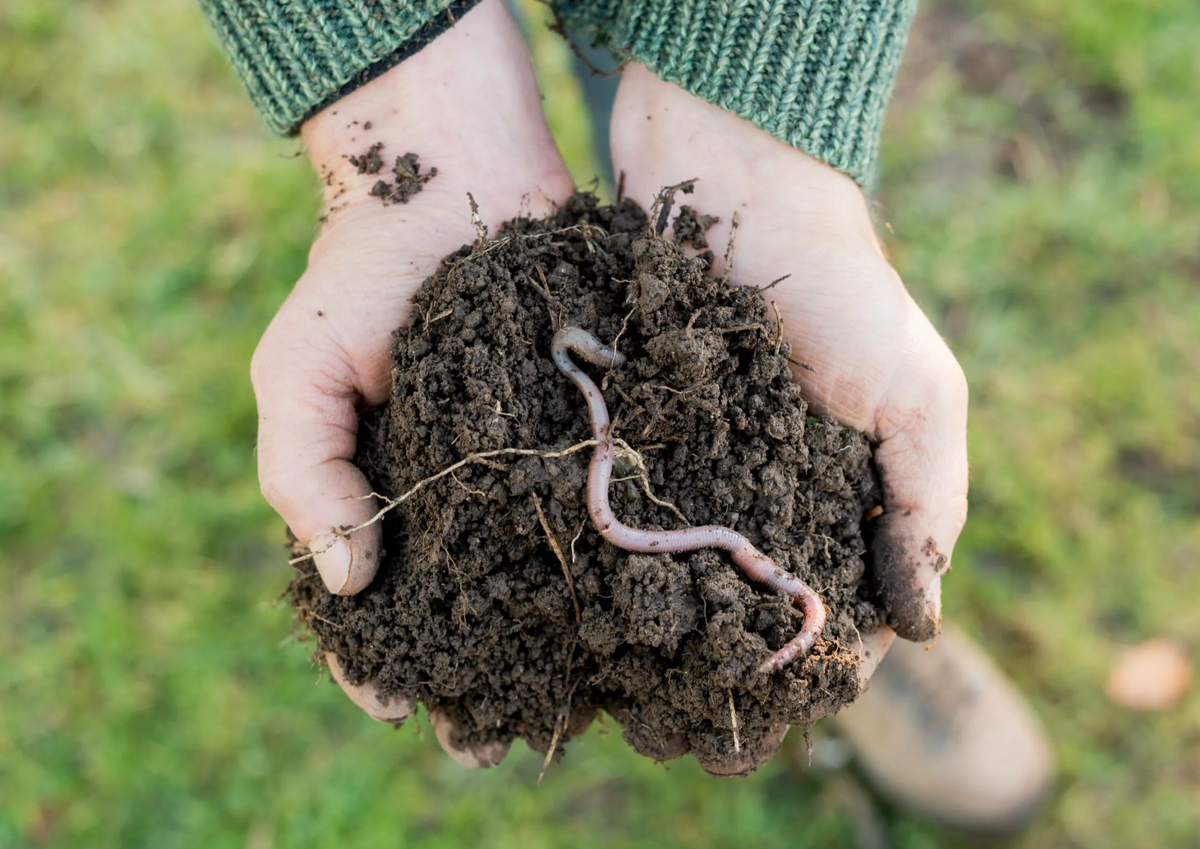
(297, 56)
(814, 73)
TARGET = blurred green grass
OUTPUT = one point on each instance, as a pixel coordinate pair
(1042, 181)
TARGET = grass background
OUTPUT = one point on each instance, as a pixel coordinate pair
(1042, 189)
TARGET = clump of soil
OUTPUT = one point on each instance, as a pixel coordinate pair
(471, 611)
(369, 162)
(409, 179)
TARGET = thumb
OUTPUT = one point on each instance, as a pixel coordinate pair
(922, 455)
(307, 433)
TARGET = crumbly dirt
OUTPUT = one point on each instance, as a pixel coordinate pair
(369, 161)
(407, 170)
(471, 611)
(691, 226)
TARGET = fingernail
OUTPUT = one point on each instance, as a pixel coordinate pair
(333, 556)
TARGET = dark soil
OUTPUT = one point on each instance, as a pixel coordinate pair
(369, 162)
(471, 611)
(407, 170)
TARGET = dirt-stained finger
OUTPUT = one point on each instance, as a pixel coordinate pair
(922, 456)
(393, 710)
(875, 645)
(473, 757)
(307, 432)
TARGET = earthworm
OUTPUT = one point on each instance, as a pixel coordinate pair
(756, 565)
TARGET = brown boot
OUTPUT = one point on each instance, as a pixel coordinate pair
(942, 732)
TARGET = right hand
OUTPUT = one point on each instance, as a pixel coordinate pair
(871, 358)
(468, 105)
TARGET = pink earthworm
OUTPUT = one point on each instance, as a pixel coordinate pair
(756, 565)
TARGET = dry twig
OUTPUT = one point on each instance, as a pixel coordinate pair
(558, 552)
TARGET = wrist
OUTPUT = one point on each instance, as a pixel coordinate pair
(467, 104)
(663, 135)
(817, 76)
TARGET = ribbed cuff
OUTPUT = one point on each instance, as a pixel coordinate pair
(295, 57)
(816, 74)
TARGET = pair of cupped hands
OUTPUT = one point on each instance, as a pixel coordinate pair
(469, 105)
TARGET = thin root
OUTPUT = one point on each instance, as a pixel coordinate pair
(733, 228)
(624, 324)
(574, 540)
(481, 457)
(481, 230)
(660, 212)
(773, 283)
(558, 552)
(558, 730)
(779, 324)
(861, 645)
(468, 489)
(737, 742)
(644, 473)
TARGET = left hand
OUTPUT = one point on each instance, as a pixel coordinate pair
(469, 105)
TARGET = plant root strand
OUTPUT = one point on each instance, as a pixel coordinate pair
(558, 552)
(482, 457)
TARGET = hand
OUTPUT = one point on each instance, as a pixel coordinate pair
(468, 105)
(877, 363)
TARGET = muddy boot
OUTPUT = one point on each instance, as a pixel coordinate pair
(943, 733)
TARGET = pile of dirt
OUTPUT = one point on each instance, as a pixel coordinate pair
(472, 611)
